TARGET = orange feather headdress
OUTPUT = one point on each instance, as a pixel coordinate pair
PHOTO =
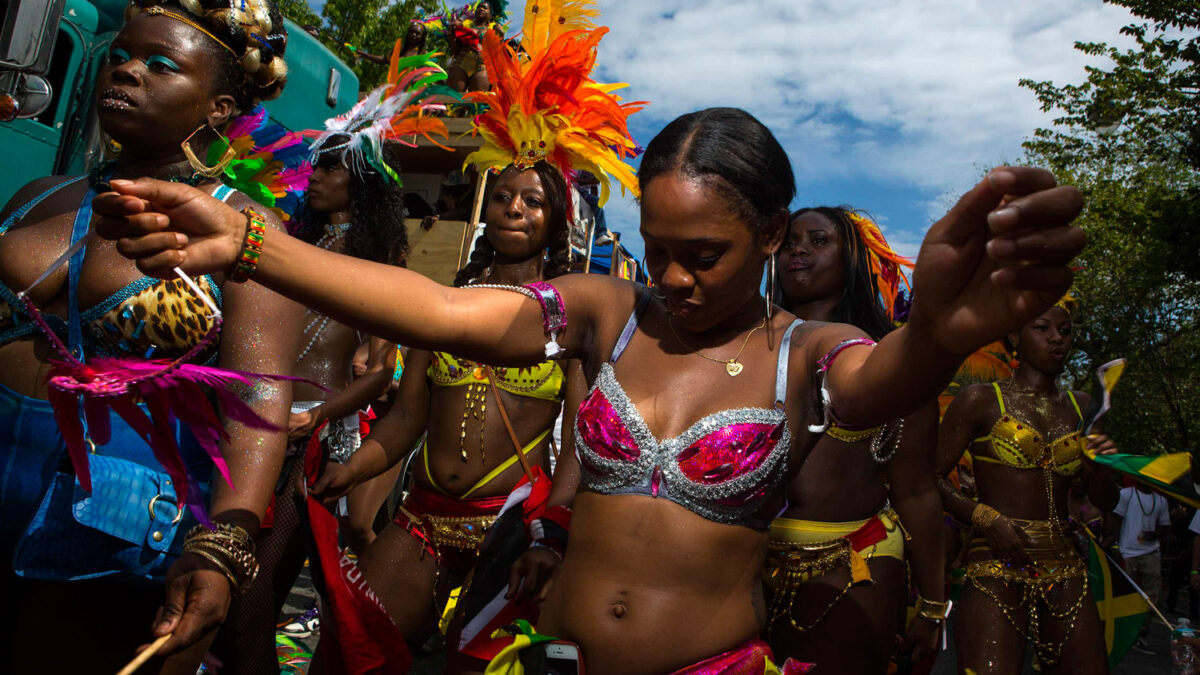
(544, 104)
(885, 263)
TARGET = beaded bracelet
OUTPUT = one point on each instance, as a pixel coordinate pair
(256, 229)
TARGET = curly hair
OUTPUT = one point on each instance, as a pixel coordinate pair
(377, 232)
(249, 41)
(859, 305)
(558, 249)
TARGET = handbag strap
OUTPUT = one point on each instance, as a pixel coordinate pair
(512, 435)
(83, 218)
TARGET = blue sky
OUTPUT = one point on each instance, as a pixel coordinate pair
(893, 107)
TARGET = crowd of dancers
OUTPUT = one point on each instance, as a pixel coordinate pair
(742, 477)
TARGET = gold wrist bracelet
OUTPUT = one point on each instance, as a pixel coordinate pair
(932, 609)
(983, 516)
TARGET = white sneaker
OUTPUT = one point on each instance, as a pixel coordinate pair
(303, 626)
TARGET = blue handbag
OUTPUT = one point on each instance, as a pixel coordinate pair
(130, 526)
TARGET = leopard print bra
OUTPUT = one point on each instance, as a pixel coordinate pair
(149, 318)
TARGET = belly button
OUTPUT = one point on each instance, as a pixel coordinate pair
(618, 610)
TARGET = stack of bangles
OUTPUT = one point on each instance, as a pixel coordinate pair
(983, 516)
(230, 548)
(550, 530)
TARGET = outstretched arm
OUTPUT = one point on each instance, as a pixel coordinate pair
(175, 225)
(998, 259)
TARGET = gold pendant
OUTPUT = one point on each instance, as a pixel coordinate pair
(733, 368)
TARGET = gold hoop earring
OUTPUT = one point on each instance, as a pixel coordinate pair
(199, 166)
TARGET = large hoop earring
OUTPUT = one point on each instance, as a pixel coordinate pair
(199, 166)
(770, 286)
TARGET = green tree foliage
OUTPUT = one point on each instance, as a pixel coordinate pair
(372, 26)
(299, 11)
(1129, 138)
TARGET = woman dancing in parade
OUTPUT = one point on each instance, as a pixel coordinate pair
(1025, 578)
(469, 463)
(174, 74)
(835, 573)
(357, 212)
(668, 537)
(468, 71)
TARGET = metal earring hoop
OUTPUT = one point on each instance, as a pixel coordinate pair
(770, 287)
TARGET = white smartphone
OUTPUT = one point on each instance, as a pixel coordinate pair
(563, 659)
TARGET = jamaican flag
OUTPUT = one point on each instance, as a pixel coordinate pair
(1122, 609)
(1170, 474)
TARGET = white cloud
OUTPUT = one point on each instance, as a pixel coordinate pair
(922, 95)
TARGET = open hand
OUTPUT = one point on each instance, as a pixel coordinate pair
(997, 259)
(162, 225)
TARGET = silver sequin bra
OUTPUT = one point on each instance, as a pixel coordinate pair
(723, 467)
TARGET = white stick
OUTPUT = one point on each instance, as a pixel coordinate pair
(145, 656)
(196, 289)
(62, 260)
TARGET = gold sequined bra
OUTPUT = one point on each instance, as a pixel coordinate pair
(1015, 443)
(543, 381)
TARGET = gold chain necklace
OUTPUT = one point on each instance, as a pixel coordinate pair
(732, 366)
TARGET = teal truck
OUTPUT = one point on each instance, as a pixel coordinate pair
(50, 54)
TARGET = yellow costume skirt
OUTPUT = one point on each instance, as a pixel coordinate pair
(801, 550)
(1056, 561)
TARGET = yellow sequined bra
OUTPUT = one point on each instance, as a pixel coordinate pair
(543, 381)
(1013, 442)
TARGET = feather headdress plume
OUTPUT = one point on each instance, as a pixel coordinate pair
(544, 104)
(402, 108)
(885, 263)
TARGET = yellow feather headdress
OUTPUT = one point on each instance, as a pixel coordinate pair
(544, 104)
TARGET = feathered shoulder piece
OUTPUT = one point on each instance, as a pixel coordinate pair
(402, 108)
(268, 164)
(544, 104)
(885, 263)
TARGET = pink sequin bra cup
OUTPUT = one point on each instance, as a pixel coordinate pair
(723, 468)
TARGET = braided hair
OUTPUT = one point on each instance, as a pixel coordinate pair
(252, 40)
(558, 249)
(859, 305)
(377, 232)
